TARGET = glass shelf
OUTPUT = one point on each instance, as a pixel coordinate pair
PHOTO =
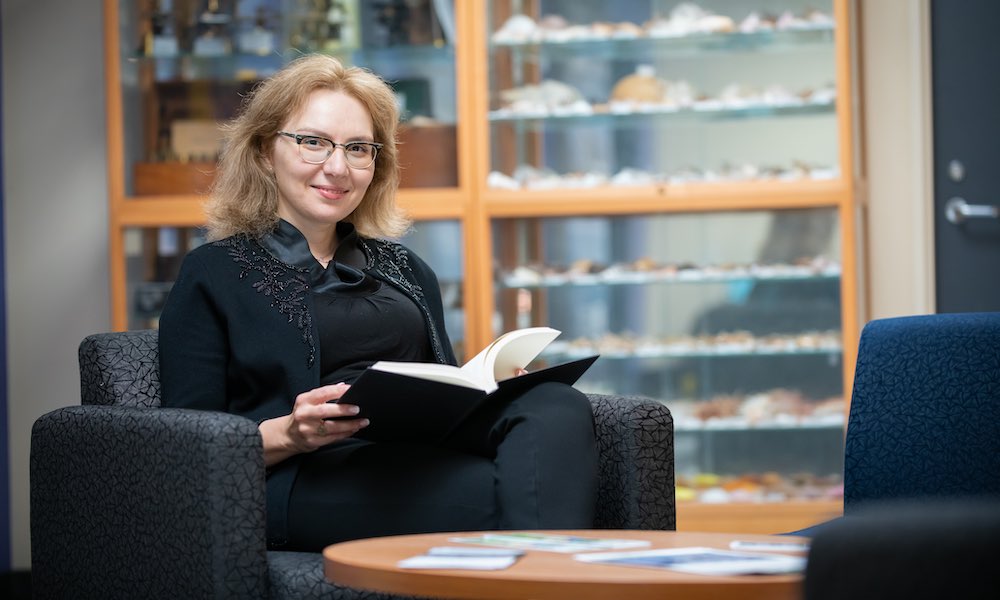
(731, 274)
(706, 112)
(632, 46)
(245, 66)
(419, 53)
(580, 349)
(835, 423)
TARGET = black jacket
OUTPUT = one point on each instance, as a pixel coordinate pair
(238, 333)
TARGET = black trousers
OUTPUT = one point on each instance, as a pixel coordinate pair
(527, 464)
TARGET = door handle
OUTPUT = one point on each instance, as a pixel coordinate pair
(957, 210)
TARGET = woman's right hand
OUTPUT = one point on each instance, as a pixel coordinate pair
(308, 427)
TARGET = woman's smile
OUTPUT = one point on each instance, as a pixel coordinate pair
(331, 192)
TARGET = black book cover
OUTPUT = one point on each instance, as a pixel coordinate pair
(402, 408)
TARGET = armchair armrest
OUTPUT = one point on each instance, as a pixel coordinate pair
(131, 502)
(635, 438)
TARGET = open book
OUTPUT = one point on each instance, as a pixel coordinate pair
(500, 360)
(409, 401)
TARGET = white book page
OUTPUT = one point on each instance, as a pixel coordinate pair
(511, 351)
(430, 371)
(500, 360)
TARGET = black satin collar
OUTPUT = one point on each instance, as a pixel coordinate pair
(342, 275)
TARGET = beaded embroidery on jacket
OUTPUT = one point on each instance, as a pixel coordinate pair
(287, 286)
(390, 259)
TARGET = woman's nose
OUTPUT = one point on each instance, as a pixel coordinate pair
(336, 163)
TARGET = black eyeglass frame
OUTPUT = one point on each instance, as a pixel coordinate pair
(300, 137)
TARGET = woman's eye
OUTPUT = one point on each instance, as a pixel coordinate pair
(311, 142)
(360, 149)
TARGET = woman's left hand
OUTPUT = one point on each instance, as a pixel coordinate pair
(317, 419)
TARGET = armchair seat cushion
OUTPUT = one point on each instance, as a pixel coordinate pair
(299, 575)
(908, 549)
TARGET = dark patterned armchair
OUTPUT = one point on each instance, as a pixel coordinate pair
(129, 500)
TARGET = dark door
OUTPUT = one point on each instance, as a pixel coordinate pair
(965, 57)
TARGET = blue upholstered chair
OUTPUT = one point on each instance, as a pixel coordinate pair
(925, 412)
(129, 500)
(922, 466)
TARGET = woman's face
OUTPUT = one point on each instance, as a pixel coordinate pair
(315, 196)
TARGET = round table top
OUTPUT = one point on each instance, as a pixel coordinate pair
(372, 564)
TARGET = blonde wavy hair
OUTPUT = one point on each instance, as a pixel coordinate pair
(244, 196)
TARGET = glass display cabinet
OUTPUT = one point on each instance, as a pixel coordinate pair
(178, 69)
(670, 183)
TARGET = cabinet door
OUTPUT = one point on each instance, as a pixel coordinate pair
(731, 319)
(186, 65)
(648, 92)
(670, 186)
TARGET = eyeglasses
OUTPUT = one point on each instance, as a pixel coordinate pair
(315, 150)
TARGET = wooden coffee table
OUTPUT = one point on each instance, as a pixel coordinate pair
(371, 564)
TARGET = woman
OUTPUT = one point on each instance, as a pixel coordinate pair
(299, 292)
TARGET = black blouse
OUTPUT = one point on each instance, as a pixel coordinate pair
(361, 324)
(360, 319)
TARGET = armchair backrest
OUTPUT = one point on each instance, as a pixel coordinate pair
(925, 412)
(120, 368)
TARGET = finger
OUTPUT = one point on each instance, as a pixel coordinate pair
(322, 394)
(316, 403)
(336, 410)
